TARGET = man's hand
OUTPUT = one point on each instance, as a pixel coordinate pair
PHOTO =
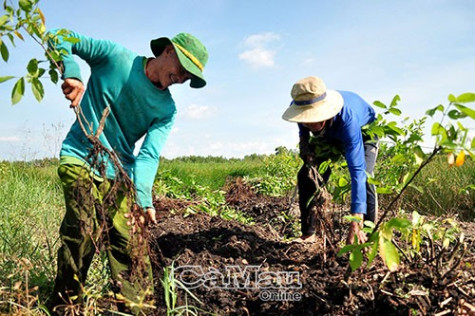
(356, 230)
(151, 216)
(307, 155)
(73, 90)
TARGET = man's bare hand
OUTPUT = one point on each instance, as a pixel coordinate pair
(356, 230)
(73, 90)
(151, 216)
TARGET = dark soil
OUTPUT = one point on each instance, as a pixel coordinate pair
(285, 278)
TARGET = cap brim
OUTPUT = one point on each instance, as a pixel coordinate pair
(197, 81)
(315, 112)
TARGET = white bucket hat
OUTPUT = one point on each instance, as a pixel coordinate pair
(312, 102)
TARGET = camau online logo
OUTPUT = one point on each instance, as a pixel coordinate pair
(272, 285)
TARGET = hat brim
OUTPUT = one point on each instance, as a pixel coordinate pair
(315, 112)
(197, 81)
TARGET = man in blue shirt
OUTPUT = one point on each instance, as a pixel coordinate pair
(333, 119)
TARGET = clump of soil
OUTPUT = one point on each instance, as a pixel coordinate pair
(276, 213)
(236, 269)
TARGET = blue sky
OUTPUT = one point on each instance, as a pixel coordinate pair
(421, 50)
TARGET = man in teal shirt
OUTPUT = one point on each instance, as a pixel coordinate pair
(135, 91)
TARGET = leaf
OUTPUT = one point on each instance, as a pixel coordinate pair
(395, 111)
(399, 223)
(3, 19)
(386, 190)
(53, 75)
(372, 253)
(379, 104)
(25, 5)
(419, 154)
(42, 16)
(466, 97)
(431, 112)
(32, 67)
(472, 146)
(346, 248)
(460, 159)
(452, 98)
(389, 254)
(437, 129)
(4, 51)
(352, 218)
(386, 232)
(372, 180)
(455, 115)
(71, 39)
(460, 125)
(466, 110)
(399, 158)
(395, 100)
(40, 72)
(369, 224)
(37, 89)
(393, 126)
(356, 258)
(18, 34)
(342, 182)
(18, 91)
(416, 218)
(3, 79)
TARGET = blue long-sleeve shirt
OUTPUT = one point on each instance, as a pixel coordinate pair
(346, 131)
(137, 108)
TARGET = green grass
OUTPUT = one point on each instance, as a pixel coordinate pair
(31, 210)
(445, 190)
(210, 172)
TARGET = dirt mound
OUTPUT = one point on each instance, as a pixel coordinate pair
(234, 269)
(278, 214)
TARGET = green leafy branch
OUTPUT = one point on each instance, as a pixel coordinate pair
(449, 138)
(28, 19)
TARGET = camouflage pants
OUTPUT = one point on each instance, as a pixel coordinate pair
(84, 229)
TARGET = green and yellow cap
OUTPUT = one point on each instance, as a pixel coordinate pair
(191, 53)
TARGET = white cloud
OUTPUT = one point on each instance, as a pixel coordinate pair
(258, 53)
(197, 112)
(260, 40)
(9, 139)
(258, 57)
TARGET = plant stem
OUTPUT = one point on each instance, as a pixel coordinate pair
(389, 208)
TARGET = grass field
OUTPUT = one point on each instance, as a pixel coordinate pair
(31, 209)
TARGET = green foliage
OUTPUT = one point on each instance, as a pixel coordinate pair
(28, 19)
(202, 181)
(412, 231)
(398, 166)
(280, 172)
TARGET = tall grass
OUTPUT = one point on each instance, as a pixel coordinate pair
(32, 207)
(210, 172)
(444, 190)
(30, 213)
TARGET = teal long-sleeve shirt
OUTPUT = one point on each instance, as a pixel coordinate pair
(137, 108)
